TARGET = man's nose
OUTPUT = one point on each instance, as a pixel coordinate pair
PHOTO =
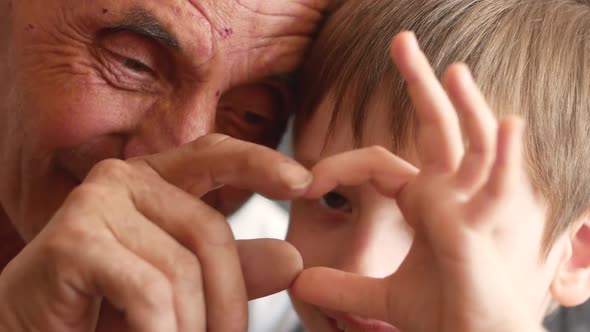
(165, 127)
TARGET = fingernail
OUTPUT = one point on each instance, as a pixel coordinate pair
(465, 72)
(294, 176)
(413, 39)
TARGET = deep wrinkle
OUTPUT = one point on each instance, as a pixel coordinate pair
(207, 17)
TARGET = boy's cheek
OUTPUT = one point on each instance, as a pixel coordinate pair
(296, 231)
(302, 234)
(370, 247)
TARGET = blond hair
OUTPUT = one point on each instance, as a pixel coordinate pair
(530, 57)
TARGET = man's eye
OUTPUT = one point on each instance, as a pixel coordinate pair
(335, 201)
(254, 119)
(136, 66)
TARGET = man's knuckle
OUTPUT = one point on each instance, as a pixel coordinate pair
(61, 250)
(214, 232)
(218, 231)
(187, 267)
(74, 231)
(113, 169)
(158, 289)
(55, 247)
(88, 193)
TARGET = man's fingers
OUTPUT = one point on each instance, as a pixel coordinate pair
(216, 160)
(479, 123)
(132, 285)
(343, 292)
(180, 266)
(194, 224)
(197, 168)
(269, 266)
(439, 130)
(206, 233)
(387, 172)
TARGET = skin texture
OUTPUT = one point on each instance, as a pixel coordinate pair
(455, 245)
(133, 237)
(251, 112)
(70, 101)
(105, 122)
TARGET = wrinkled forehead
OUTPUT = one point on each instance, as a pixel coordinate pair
(240, 40)
(188, 25)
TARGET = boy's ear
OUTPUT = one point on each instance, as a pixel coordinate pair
(571, 285)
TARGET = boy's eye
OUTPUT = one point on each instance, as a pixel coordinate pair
(335, 201)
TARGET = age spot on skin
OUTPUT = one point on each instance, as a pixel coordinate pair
(218, 93)
(104, 10)
(227, 32)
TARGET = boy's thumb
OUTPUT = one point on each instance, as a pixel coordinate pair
(345, 292)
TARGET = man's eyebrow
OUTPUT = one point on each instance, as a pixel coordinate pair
(144, 23)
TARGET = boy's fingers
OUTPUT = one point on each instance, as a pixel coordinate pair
(343, 292)
(387, 172)
(440, 133)
(216, 160)
(479, 124)
(508, 167)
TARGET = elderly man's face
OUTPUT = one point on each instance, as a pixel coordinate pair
(81, 81)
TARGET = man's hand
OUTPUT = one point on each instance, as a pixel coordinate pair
(135, 234)
(462, 205)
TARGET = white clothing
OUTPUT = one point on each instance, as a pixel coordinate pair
(261, 218)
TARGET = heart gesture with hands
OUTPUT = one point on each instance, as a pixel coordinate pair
(464, 205)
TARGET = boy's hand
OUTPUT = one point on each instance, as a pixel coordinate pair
(463, 206)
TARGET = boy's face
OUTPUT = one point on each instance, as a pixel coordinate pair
(361, 231)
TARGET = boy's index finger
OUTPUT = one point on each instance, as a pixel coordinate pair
(386, 172)
(440, 132)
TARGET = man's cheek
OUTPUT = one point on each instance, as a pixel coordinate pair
(72, 114)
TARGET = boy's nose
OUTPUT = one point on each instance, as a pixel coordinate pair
(369, 262)
(377, 248)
